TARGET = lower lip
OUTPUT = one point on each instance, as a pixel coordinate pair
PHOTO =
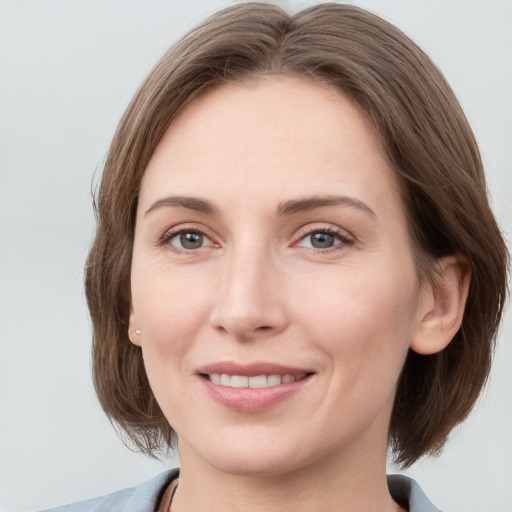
(253, 399)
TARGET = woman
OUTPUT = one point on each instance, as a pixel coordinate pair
(295, 266)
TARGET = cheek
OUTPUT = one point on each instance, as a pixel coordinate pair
(362, 318)
(171, 307)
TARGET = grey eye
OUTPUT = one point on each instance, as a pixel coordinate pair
(321, 240)
(191, 240)
(188, 240)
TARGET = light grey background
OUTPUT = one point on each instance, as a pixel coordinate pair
(68, 69)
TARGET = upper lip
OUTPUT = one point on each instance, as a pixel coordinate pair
(251, 369)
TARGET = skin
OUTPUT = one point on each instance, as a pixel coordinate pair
(256, 289)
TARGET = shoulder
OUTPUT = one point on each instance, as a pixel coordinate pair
(408, 494)
(146, 497)
(143, 498)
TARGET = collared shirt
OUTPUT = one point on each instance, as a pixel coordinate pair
(147, 497)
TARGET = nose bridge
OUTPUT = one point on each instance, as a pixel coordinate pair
(249, 300)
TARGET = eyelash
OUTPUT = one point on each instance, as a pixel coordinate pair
(172, 233)
(302, 235)
(336, 233)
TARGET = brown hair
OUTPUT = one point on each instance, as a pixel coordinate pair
(427, 140)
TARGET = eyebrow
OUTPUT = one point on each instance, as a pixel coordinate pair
(286, 208)
(192, 203)
(310, 203)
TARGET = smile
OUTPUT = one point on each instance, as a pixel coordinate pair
(253, 387)
(257, 381)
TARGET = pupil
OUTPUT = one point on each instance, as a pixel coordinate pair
(322, 240)
(191, 240)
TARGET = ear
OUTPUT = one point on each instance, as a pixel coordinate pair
(442, 306)
(133, 327)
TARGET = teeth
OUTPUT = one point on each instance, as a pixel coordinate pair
(239, 381)
(259, 381)
(273, 380)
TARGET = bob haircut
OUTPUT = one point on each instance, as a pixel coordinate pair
(427, 141)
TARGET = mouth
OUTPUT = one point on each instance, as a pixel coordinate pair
(254, 382)
(254, 387)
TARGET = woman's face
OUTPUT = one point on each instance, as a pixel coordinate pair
(273, 281)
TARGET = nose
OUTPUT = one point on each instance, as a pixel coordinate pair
(250, 300)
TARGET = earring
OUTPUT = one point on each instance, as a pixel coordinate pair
(137, 332)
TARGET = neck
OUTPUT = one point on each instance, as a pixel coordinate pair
(330, 485)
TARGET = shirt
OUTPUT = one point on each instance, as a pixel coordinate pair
(147, 497)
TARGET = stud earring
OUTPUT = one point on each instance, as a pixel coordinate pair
(137, 332)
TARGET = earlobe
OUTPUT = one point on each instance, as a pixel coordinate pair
(133, 328)
(442, 306)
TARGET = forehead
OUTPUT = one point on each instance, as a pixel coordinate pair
(281, 132)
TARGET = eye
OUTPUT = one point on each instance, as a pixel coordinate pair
(324, 239)
(321, 240)
(188, 240)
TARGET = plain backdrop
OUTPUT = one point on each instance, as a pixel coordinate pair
(67, 71)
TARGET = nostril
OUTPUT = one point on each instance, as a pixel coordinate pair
(245, 320)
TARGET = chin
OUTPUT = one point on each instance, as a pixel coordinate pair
(256, 456)
(261, 458)
(257, 466)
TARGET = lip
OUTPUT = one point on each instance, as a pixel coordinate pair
(252, 369)
(252, 400)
